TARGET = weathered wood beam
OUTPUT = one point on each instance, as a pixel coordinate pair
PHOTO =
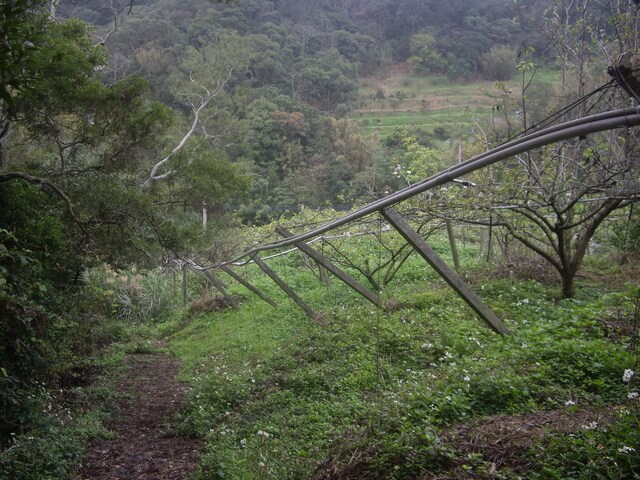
(220, 287)
(452, 278)
(452, 243)
(185, 286)
(307, 309)
(244, 282)
(326, 263)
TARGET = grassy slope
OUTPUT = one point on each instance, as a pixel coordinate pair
(376, 395)
(427, 102)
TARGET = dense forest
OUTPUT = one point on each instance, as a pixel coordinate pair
(140, 135)
(285, 76)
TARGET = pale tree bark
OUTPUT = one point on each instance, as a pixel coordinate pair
(198, 103)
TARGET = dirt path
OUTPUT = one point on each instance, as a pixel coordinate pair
(143, 447)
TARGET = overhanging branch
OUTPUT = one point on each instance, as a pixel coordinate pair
(25, 177)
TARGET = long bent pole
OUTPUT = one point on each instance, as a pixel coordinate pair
(628, 117)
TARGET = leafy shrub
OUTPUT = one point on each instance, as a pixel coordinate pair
(596, 451)
(51, 452)
(498, 63)
(130, 296)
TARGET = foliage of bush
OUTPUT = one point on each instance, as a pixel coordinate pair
(132, 296)
(499, 63)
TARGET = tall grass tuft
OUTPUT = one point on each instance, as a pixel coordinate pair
(132, 296)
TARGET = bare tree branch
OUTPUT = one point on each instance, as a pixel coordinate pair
(197, 108)
(25, 177)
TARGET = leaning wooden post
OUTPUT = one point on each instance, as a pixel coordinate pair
(432, 258)
(242, 281)
(324, 262)
(483, 239)
(184, 284)
(307, 309)
(454, 247)
(175, 283)
(220, 287)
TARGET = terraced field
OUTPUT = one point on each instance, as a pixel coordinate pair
(405, 99)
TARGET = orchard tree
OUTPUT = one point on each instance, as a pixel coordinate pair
(553, 200)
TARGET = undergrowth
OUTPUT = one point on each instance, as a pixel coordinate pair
(58, 370)
(371, 393)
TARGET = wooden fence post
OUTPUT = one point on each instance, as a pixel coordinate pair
(324, 262)
(242, 281)
(454, 247)
(220, 287)
(287, 289)
(185, 285)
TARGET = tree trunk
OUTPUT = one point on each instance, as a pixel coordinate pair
(568, 283)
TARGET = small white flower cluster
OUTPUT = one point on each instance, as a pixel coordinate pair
(627, 375)
(590, 426)
(632, 395)
(569, 403)
(398, 172)
(626, 449)
(263, 434)
(474, 339)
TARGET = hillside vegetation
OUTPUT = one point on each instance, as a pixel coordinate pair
(420, 389)
(145, 144)
(403, 99)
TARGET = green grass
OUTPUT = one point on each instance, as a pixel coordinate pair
(452, 118)
(276, 395)
(427, 101)
(63, 421)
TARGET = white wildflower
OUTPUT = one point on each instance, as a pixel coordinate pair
(569, 403)
(590, 426)
(632, 395)
(626, 449)
(628, 375)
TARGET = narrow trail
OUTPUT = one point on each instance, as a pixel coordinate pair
(143, 446)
